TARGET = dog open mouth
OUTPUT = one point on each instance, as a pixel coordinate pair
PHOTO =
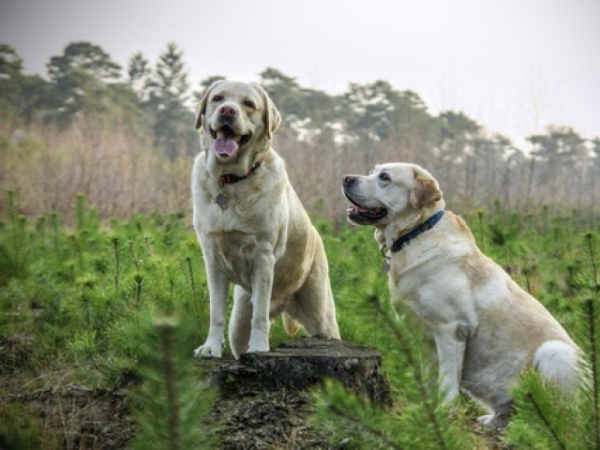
(362, 214)
(227, 141)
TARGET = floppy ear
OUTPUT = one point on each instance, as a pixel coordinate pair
(202, 105)
(272, 117)
(424, 189)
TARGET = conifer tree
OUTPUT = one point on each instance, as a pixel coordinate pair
(11, 66)
(21, 96)
(83, 79)
(169, 405)
(169, 100)
(544, 417)
(138, 73)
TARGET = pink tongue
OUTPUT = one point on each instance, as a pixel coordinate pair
(225, 147)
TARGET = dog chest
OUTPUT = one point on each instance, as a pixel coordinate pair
(235, 253)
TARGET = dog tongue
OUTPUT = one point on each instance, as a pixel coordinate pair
(225, 146)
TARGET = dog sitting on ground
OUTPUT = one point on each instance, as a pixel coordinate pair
(487, 330)
(252, 228)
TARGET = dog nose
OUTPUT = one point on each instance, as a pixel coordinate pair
(227, 112)
(348, 180)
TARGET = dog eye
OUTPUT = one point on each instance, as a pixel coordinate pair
(383, 176)
(217, 98)
(249, 104)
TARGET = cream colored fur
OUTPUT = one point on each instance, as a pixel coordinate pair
(260, 239)
(487, 330)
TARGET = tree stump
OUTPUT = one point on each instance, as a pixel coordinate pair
(264, 398)
(303, 363)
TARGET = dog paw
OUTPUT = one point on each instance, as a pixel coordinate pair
(209, 350)
(259, 342)
(261, 349)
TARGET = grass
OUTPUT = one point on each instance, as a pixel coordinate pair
(84, 301)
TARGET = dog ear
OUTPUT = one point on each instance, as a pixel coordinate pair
(272, 117)
(201, 111)
(424, 189)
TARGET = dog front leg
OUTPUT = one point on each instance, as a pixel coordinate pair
(218, 287)
(262, 286)
(450, 341)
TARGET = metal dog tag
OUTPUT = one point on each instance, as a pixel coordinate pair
(222, 201)
(385, 268)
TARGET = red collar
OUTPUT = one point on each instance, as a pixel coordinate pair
(231, 178)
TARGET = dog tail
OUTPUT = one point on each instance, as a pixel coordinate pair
(290, 326)
(559, 363)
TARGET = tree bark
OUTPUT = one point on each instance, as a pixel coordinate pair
(304, 363)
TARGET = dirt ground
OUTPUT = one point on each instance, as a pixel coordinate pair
(69, 417)
(79, 418)
(76, 417)
(277, 420)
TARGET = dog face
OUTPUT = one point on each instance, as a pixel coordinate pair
(389, 193)
(236, 116)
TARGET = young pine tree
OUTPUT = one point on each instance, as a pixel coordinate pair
(169, 405)
(544, 418)
(418, 420)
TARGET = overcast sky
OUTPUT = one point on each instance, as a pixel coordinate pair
(515, 66)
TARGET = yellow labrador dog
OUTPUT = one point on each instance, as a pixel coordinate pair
(487, 330)
(252, 228)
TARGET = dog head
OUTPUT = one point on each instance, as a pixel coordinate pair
(236, 116)
(397, 193)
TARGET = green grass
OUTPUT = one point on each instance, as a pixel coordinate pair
(88, 296)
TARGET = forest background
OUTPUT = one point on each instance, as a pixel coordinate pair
(125, 138)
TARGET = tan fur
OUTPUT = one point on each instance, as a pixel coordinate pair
(425, 190)
(260, 238)
(486, 328)
(290, 326)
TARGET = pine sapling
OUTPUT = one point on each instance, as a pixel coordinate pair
(165, 335)
(595, 387)
(591, 306)
(115, 244)
(80, 211)
(546, 423)
(191, 272)
(171, 403)
(138, 280)
(480, 223)
(418, 420)
(421, 383)
(547, 418)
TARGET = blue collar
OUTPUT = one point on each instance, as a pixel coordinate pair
(403, 241)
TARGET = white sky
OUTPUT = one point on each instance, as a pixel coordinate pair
(515, 66)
